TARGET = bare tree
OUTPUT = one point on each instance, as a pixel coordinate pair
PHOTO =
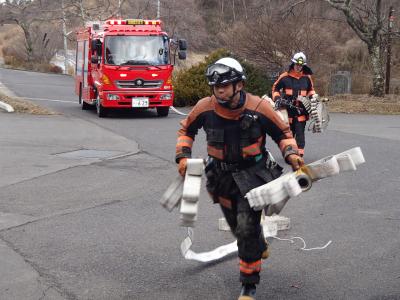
(269, 40)
(366, 19)
(367, 22)
(24, 13)
(140, 9)
(94, 10)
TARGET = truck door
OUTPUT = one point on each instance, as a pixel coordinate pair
(85, 65)
(79, 67)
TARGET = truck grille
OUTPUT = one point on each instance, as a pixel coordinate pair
(139, 84)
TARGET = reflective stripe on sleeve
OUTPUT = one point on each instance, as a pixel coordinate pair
(289, 92)
(184, 141)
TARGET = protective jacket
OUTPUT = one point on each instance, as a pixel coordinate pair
(234, 136)
(292, 84)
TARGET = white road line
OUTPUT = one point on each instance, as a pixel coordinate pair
(51, 100)
(177, 111)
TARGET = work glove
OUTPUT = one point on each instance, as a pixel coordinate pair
(182, 166)
(295, 161)
(315, 97)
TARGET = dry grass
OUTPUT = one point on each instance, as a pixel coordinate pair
(192, 59)
(390, 105)
(9, 34)
(21, 105)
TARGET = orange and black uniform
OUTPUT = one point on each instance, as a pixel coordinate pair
(237, 163)
(290, 85)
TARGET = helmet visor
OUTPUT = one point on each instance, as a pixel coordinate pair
(218, 69)
(221, 74)
(300, 61)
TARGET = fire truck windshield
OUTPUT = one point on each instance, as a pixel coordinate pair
(136, 50)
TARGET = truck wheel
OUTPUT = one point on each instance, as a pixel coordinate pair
(101, 111)
(80, 94)
(84, 105)
(162, 111)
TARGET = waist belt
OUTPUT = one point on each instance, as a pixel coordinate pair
(235, 167)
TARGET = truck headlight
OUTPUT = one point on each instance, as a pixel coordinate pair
(112, 97)
(166, 97)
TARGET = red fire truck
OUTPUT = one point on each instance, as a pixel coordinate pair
(126, 64)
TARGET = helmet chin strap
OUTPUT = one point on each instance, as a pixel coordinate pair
(226, 103)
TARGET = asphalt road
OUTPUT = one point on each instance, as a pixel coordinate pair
(91, 227)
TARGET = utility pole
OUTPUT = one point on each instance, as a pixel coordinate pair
(158, 9)
(64, 26)
(389, 49)
(119, 9)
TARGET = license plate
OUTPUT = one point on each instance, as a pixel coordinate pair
(140, 102)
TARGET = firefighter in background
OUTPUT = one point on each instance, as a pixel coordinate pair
(236, 124)
(295, 82)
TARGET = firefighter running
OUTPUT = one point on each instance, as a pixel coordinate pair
(295, 82)
(236, 124)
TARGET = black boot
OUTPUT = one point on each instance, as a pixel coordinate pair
(248, 292)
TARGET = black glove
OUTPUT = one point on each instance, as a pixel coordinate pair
(279, 102)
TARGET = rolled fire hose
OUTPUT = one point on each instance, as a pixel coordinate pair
(272, 196)
(275, 194)
(315, 107)
(317, 111)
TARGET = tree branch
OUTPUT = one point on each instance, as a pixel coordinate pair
(289, 10)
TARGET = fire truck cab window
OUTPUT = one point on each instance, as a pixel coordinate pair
(136, 50)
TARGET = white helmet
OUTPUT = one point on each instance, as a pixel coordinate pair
(225, 70)
(230, 62)
(299, 58)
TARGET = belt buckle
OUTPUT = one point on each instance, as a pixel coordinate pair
(270, 162)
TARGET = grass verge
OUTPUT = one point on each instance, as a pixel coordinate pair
(21, 105)
(365, 104)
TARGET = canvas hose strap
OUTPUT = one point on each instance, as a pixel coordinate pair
(274, 194)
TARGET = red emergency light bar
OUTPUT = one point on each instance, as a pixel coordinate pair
(133, 22)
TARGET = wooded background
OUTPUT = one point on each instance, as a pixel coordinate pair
(336, 35)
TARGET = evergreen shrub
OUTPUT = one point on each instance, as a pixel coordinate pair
(190, 85)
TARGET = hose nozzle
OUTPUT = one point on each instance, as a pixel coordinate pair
(303, 179)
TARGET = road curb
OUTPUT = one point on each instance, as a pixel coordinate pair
(6, 107)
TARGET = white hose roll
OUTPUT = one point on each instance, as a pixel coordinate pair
(192, 184)
(189, 208)
(282, 188)
(173, 194)
(325, 168)
(191, 188)
(346, 163)
(355, 154)
(215, 254)
(274, 197)
(195, 166)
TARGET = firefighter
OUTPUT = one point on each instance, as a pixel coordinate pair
(295, 82)
(236, 124)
